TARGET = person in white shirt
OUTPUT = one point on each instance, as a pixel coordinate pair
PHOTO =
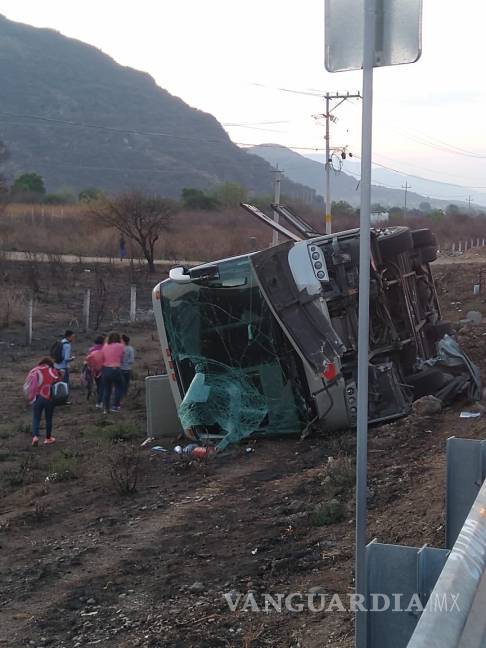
(127, 363)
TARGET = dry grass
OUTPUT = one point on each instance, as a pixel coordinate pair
(72, 230)
(190, 235)
(12, 306)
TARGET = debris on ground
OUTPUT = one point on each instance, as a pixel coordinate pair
(427, 406)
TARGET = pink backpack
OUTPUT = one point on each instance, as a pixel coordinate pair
(31, 385)
(94, 360)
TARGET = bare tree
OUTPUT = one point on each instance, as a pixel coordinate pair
(137, 217)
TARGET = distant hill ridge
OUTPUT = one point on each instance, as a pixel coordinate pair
(344, 186)
(148, 138)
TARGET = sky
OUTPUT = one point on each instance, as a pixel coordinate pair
(229, 57)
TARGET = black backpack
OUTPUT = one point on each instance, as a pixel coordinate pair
(57, 351)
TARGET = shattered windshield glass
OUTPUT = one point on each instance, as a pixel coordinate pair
(224, 329)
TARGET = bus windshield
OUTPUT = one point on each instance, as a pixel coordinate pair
(226, 323)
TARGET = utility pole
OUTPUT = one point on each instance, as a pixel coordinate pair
(340, 98)
(277, 174)
(327, 216)
(469, 204)
(406, 186)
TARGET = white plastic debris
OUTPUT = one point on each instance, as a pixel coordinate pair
(158, 449)
(469, 414)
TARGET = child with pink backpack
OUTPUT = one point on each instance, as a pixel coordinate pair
(43, 389)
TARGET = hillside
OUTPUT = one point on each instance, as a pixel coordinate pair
(124, 131)
(446, 191)
(307, 171)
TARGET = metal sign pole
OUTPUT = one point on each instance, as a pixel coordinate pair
(364, 315)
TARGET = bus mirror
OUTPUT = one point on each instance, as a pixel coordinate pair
(179, 275)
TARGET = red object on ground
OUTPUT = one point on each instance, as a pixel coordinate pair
(200, 453)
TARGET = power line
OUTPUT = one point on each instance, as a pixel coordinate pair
(438, 144)
(401, 172)
(309, 93)
(398, 188)
(50, 121)
(53, 122)
(434, 142)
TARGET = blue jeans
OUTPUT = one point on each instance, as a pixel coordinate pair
(99, 390)
(127, 374)
(112, 378)
(40, 405)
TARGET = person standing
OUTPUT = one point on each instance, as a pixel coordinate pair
(94, 361)
(112, 354)
(65, 355)
(123, 249)
(127, 363)
(45, 376)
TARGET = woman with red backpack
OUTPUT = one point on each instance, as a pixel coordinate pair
(38, 388)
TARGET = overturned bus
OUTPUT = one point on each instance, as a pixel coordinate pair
(266, 343)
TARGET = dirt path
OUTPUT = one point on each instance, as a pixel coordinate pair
(44, 257)
(470, 257)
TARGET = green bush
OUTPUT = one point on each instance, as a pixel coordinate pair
(108, 431)
(124, 465)
(339, 476)
(64, 466)
(328, 513)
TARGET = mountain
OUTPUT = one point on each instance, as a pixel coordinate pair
(71, 113)
(451, 193)
(344, 186)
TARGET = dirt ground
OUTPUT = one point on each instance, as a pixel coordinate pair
(83, 564)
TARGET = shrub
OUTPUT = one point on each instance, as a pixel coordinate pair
(107, 431)
(23, 474)
(338, 475)
(63, 467)
(125, 468)
(328, 513)
(12, 306)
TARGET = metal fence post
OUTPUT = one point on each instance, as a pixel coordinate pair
(28, 322)
(86, 308)
(133, 303)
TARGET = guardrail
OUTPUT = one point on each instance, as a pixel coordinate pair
(448, 620)
(442, 592)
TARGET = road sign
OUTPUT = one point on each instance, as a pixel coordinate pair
(398, 33)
